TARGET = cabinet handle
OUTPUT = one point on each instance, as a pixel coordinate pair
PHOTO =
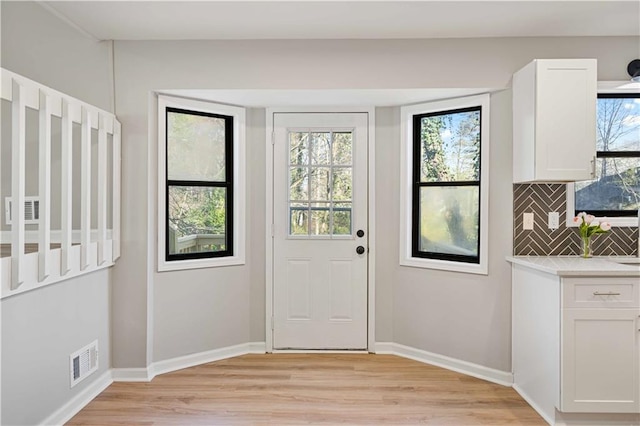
(610, 293)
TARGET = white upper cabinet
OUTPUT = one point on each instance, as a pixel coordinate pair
(554, 120)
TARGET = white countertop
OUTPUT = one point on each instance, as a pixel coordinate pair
(567, 266)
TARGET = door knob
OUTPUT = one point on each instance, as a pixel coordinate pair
(360, 233)
(360, 250)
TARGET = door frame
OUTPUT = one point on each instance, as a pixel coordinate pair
(269, 216)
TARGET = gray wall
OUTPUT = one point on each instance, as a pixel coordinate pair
(41, 328)
(458, 315)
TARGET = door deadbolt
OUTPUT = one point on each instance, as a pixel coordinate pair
(360, 233)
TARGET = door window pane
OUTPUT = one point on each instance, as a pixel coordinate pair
(320, 222)
(298, 148)
(299, 219)
(342, 219)
(342, 184)
(342, 148)
(298, 184)
(320, 174)
(320, 148)
(320, 183)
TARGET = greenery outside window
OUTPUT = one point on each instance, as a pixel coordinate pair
(446, 156)
(615, 192)
(198, 184)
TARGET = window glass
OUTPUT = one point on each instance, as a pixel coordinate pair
(446, 194)
(616, 189)
(199, 183)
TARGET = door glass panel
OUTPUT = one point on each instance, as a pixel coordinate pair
(298, 148)
(320, 148)
(298, 184)
(320, 219)
(342, 183)
(342, 219)
(320, 183)
(299, 219)
(341, 148)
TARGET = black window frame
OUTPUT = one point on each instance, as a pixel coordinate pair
(417, 184)
(228, 184)
(613, 154)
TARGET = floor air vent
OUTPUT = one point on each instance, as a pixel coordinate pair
(83, 362)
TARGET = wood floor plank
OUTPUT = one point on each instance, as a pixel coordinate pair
(299, 389)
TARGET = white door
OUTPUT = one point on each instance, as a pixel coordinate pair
(320, 231)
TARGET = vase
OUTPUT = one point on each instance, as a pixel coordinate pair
(586, 247)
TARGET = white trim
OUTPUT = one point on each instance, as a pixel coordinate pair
(32, 236)
(131, 374)
(56, 275)
(239, 184)
(533, 405)
(406, 157)
(78, 402)
(185, 361)
(503, 378)
(370, 111)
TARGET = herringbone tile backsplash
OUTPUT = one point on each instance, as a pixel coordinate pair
(564, 241)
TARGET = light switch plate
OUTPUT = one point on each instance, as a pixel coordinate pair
(554, 220)
(527, 221)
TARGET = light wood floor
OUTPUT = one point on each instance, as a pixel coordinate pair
(279, 389)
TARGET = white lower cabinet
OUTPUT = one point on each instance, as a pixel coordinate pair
(600, 357)
(576, 345)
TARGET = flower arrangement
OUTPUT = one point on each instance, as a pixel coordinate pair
(588, 228)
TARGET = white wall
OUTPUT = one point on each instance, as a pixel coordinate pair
(41, 328)
(457, 315)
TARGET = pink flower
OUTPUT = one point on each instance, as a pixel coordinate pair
(581, 214)
(588, 219)
(605, 226)
(577, 220)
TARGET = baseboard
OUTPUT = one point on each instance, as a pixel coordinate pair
(191, 360)
(533, 405)
(470, 369)
(131, 374)
(78, 402)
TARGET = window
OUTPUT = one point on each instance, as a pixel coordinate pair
(445, 169)
(320, 184)
(615, 192)
(200, 145)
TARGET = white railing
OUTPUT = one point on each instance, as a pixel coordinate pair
(80, 251)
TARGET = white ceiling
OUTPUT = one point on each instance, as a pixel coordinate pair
(265, 19)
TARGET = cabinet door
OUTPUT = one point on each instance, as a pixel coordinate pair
(565, 114)
(600, 357)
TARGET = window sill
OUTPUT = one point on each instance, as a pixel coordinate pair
(444, 265)
(180, 265)
(615, 222)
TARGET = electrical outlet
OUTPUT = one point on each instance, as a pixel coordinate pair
(554, 220)
(527, 221)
